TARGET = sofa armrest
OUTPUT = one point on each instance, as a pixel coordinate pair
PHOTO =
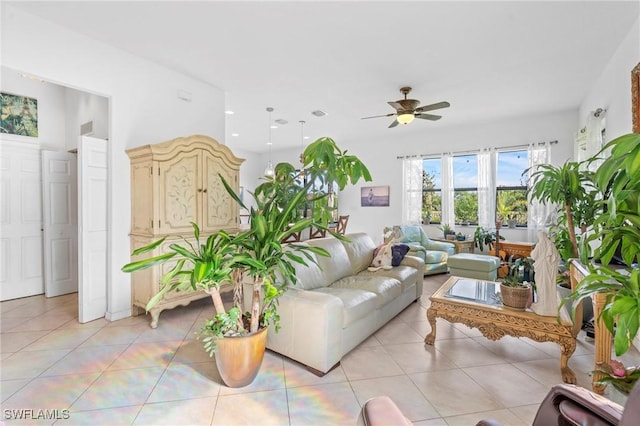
(597, 406)
(414, 262)
(440, 246)
(381, 411)
(310, 328)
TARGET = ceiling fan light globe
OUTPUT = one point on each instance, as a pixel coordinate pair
(405, 118)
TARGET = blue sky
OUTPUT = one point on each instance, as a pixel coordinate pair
(465, 169)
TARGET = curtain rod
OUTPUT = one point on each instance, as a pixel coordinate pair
(472, 151)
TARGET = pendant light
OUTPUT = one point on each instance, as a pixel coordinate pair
(269, 172)
(302, 142)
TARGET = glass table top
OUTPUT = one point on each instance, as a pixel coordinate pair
(484, 292)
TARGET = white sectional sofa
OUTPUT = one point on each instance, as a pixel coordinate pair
(338, 303)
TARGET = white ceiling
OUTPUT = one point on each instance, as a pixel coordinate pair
(490, 60)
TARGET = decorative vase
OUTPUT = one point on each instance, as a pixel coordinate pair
(515, 297)
(239, 358)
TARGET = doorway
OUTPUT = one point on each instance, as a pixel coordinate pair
(39, 227)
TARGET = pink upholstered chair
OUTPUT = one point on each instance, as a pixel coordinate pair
(573, 405)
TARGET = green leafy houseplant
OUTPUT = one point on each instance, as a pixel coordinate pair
(514, 291)
(447, 230)
(258, 252)
(617, 226)
(482, 237)
(569, 186)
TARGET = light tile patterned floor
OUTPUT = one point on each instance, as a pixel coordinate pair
(124, 372)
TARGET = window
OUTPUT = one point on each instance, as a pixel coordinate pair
(465, 187)
(431, 190)
(511, 188)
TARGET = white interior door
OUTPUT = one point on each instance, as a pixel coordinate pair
(20, 221)
(60, 216)
(92, 228)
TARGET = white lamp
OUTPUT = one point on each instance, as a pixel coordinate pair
(405, 118)
(269, 172)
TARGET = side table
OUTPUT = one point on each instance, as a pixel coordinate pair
(461, 246)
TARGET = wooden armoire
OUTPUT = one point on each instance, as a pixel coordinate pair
(173, 184)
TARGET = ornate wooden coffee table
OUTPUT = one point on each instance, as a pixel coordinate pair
(474, 303)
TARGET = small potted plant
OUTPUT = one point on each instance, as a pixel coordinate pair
(482, 237)
(447, 230)
(515, 293)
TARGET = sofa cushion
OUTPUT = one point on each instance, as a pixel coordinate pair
(310, 276)
(406, 275)
(337, 265)
(357, 303)
(360, 251)
(386, 289)
(434, 256)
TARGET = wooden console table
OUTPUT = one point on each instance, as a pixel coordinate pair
(602, 339)
(473, 303)
(461, 246)
(516, 248)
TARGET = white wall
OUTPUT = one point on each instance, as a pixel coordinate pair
(144, 109)
(51, 107)
(612, 91)
(82, 107)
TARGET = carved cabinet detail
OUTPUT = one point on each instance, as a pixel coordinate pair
(173, 184)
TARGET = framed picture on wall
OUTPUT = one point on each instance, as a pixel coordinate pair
(19, 115)
(374, 196)
(635, 98)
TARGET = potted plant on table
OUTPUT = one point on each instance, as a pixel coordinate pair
(515, 291)
(237, 337)
(447, 230)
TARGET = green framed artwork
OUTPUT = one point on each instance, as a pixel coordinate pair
(19, 115)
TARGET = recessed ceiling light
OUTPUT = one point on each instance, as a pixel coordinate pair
(229, 112)
(318, 113)
(273, 126)
(235, 134)
(281, 121)
(306, 137)
(269, 143)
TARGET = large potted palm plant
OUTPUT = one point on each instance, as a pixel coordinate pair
(617, 228)
(237, 336)
(569, 186)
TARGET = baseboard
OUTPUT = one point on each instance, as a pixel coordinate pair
(115, 316)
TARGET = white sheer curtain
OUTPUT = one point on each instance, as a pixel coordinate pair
(412, 191)
(539, 215)
(594, 128)
(448, 213)
(487, 188)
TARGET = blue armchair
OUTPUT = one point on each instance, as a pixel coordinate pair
(434, 253)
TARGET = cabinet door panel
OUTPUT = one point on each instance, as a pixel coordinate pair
(220, 210)
(142, 202)
(179, 196)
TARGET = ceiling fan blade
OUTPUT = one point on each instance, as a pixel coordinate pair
(433, 106)
(396, 105)
(428, 116)
(394, 124)
(378, 116)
